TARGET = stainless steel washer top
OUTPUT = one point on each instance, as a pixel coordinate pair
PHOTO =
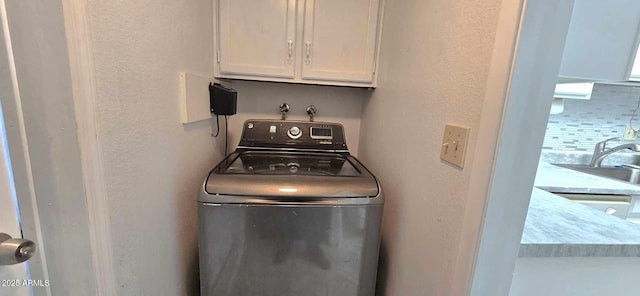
(310, 163)
(291, 212)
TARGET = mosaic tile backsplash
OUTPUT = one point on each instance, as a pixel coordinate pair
(583, 123)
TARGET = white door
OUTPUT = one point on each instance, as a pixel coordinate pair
(247, 27)
(340, 40)
(13, 278)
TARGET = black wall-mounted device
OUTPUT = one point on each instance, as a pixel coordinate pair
(222, 100)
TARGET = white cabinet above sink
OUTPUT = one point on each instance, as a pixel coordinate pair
(602, 40)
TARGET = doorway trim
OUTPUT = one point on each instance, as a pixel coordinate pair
(524, 68)
(85, 100)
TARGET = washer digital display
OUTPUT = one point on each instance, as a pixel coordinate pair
(321, 133)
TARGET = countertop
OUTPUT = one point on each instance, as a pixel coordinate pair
(562, 180)
(557, 227)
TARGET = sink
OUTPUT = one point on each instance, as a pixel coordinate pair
(627, 174)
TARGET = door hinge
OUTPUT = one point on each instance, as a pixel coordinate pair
(218, 56)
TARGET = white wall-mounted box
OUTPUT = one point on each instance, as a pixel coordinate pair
(194, 97)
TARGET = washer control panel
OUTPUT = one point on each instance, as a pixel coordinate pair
(293, 134)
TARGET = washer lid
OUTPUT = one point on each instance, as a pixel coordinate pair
(309, 164)
(291, 174)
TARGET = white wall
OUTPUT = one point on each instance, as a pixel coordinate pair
(434, 67)
(154, 164)
(576, 276)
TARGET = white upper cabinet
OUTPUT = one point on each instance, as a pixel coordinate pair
(602, 40)
(340, 40)
(331, 42)
(256, 37)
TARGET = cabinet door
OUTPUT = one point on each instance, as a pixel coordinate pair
(256, 37)
(340, 40)
(602, 40)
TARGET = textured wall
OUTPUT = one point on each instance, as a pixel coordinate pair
(583, 123)
(433, 69)
(154, 164)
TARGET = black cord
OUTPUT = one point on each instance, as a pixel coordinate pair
(217, 127)
(226, 133)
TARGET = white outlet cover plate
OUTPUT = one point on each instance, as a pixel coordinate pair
(454, 144)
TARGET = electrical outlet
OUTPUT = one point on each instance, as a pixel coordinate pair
(454, 144)
(630, 134)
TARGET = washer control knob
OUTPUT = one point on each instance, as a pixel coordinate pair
(294, 132)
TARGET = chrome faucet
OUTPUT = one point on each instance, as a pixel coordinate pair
(600, 151)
